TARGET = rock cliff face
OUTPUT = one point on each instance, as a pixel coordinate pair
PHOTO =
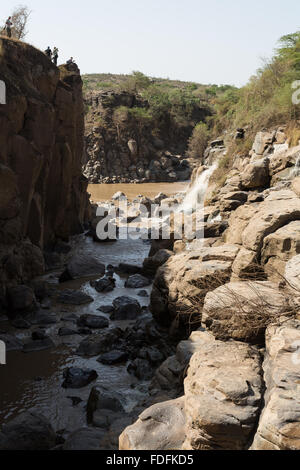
(122, 146)
(42, 190)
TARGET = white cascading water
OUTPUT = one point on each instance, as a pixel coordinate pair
(196, 195)
(296, 169)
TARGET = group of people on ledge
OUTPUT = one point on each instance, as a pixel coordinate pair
(53, 55)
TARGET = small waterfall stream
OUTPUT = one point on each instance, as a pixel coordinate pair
(196, 195)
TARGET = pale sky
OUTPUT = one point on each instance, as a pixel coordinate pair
(205, 41)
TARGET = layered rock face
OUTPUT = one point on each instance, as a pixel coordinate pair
(42, 190)
(238, 375)
(121, 146)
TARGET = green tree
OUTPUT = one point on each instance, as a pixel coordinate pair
(198, 141)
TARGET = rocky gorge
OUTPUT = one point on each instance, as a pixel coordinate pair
(136, 344)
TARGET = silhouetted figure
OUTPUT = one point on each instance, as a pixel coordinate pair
(8, 26)
(70, 61)
(48, 53)
(55, 55)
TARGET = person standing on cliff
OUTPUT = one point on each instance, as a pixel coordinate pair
(48, 53)
(55, 55)
(8, 26)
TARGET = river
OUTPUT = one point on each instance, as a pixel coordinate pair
(34, 381)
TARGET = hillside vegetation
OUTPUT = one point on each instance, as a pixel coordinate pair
(266, 100)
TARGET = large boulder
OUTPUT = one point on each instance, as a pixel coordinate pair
(21, 300)
(223, 393)
(256, 175)
(161, 427)
(183, 281)
(137, 281)
(82, 266)
(126, 308)
(28, 431)
(85, 439)
(243, 310)
(279, 247)
(279, 427)
(292, 273)
(99, 344)
(78, 378)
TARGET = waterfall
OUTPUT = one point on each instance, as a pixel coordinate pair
(296, 170)
(196, 195)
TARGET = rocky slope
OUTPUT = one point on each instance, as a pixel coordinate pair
(234, 383)
(43, 194)
(124, 144)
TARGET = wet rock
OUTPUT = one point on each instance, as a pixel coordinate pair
(129, 268)
(106, 309)
(29, 431)
(84, 331)
(67, 332)
(39, 335)
(161, 427)
(141, 369)
(38, 345)
(104, 285)
(85, 439)
(11, 342)
(113, 357)
(73, 297)
(126, 308)
(152, 264)
(78, 378)
(143, 293)
(103, 399)
(82, 266)
(44, 318)
(21, 324)
(93, 322)
(98, 344)
(137, 281)
(75, 400)
(21, 300)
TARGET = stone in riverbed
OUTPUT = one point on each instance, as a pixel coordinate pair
(93, 322)
(103, 399)
(102, 343)
(21, 324)
(28, 431)
(137, 282)
(44, 318)
(126, 308)
(39, 335)
(21, 299)
(67, 332)
(106, 309)
(82, 266)
(74, 297)
(78, 378)
(141, 369)
(104, 285)
(113, 357)
(85, 439)
(129, 268)
(143, 293)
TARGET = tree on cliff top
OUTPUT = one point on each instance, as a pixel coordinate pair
(20, 18)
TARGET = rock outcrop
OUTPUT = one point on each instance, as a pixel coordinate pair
(42, 190)
(122, 147)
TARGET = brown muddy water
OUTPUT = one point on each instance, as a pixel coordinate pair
(104, 192)
(34, 381)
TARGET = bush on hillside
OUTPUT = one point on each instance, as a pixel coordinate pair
(198, 141)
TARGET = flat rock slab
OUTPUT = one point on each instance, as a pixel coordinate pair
(82, 266)
(78, 378)
(74, 297)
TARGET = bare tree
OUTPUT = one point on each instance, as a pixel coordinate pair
(19, 18)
